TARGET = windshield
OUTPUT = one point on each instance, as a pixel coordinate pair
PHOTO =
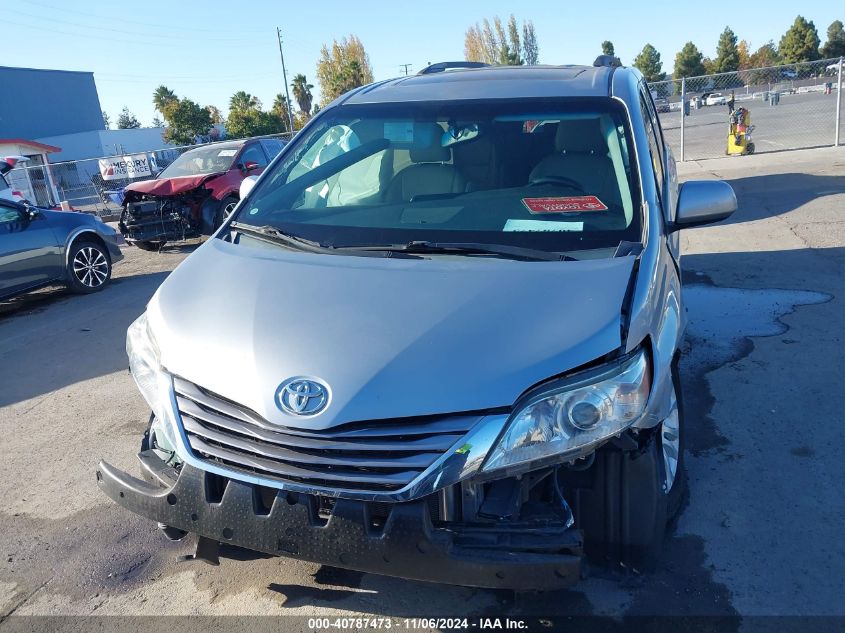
(205, 160)
(554, 175)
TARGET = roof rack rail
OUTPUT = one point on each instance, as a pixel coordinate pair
(607, 60)
(442, 66)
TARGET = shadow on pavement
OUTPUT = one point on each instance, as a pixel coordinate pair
(769, 195)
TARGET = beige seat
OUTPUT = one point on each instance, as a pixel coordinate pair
(581, 154)
(429, 173)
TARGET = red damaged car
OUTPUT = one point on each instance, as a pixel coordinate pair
(194, 194)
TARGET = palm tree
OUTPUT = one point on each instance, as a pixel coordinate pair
(302, 93)
(214, 113)
(162, 97)
(243, 101)
(280, 109)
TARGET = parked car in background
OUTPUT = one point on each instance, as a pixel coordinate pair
(715, 98)
(194, 194)
(662, 104)
(7, 164)
(438, 339)
(40, 248)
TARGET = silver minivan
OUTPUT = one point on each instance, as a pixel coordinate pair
(438, 339)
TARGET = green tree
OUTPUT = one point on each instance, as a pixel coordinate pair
(106, 119)
(727, 52)
(280, 109)
(607, 48)
(649, 64)
(243, 101)
(530, 48)
(157, 122)
(514, 44)
(800, 43)
(496, 44)
(344, 67)
(162, 97)
(246, 118)
(835, 45)
(187, 121)
(302, 93)
(214, 114)
(765, 56)
(689, 62)
(126, 120)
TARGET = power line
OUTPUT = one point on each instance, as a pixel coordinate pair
(405, 67)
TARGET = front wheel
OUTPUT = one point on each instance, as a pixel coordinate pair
(634, 494)
(224, 210)
(89, 267)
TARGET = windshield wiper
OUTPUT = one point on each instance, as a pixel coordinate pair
(277, 235)
(502, 250)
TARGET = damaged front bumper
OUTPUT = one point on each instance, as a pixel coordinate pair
(406, 542)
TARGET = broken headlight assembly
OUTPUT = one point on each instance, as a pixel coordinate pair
(574, 415)
(153, 382)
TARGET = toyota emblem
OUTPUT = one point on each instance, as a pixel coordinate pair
(303, 397)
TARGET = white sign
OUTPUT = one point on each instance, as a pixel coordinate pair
(122, 167)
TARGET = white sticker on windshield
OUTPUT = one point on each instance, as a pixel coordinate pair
(399, 131)
(541, 225)
(227, 152)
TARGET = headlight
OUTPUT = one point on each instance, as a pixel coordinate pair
(576, 415)
(153, 382)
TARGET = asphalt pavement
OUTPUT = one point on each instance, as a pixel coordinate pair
(801, 120)
(761, 533)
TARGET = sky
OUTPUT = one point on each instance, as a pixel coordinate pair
(208, 50)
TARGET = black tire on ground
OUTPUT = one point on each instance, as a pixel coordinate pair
(150, 246)
(749, 149)
(626, 510)
(224, 209)
(88, 267)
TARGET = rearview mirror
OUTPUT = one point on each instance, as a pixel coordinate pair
(703, 202)
(246, 186)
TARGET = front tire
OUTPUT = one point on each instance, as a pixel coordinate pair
(152, 247)
(224, 210)
(634, 494)
(89, 267)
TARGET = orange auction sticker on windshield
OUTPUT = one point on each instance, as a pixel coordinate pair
(571, 204)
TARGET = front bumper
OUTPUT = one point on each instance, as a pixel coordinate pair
(526, 556)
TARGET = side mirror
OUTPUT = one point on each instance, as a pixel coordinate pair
(250, 165)
(29, 211)
(703, 202)
(246, 186)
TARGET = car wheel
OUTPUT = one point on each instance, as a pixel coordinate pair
(635, 493)
(224, 210)
(89, 267)
(150, 246)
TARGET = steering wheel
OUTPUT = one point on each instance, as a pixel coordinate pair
(557, 180)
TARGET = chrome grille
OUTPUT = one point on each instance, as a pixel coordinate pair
(381, 455)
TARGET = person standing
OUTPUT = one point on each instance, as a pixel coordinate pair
(731, 102)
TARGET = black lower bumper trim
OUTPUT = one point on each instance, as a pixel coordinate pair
(408, 545)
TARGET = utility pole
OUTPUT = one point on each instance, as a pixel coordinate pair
(285, 78)
(405, 67)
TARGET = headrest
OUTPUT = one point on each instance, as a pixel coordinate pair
(580, 136)
(427, 147)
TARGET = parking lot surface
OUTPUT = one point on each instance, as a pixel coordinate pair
(759, 535)
(800, 120)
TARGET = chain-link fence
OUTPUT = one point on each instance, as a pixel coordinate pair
(93, 185)
(792, 107)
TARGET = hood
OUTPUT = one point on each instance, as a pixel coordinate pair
(169, 186)
(391, 337)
